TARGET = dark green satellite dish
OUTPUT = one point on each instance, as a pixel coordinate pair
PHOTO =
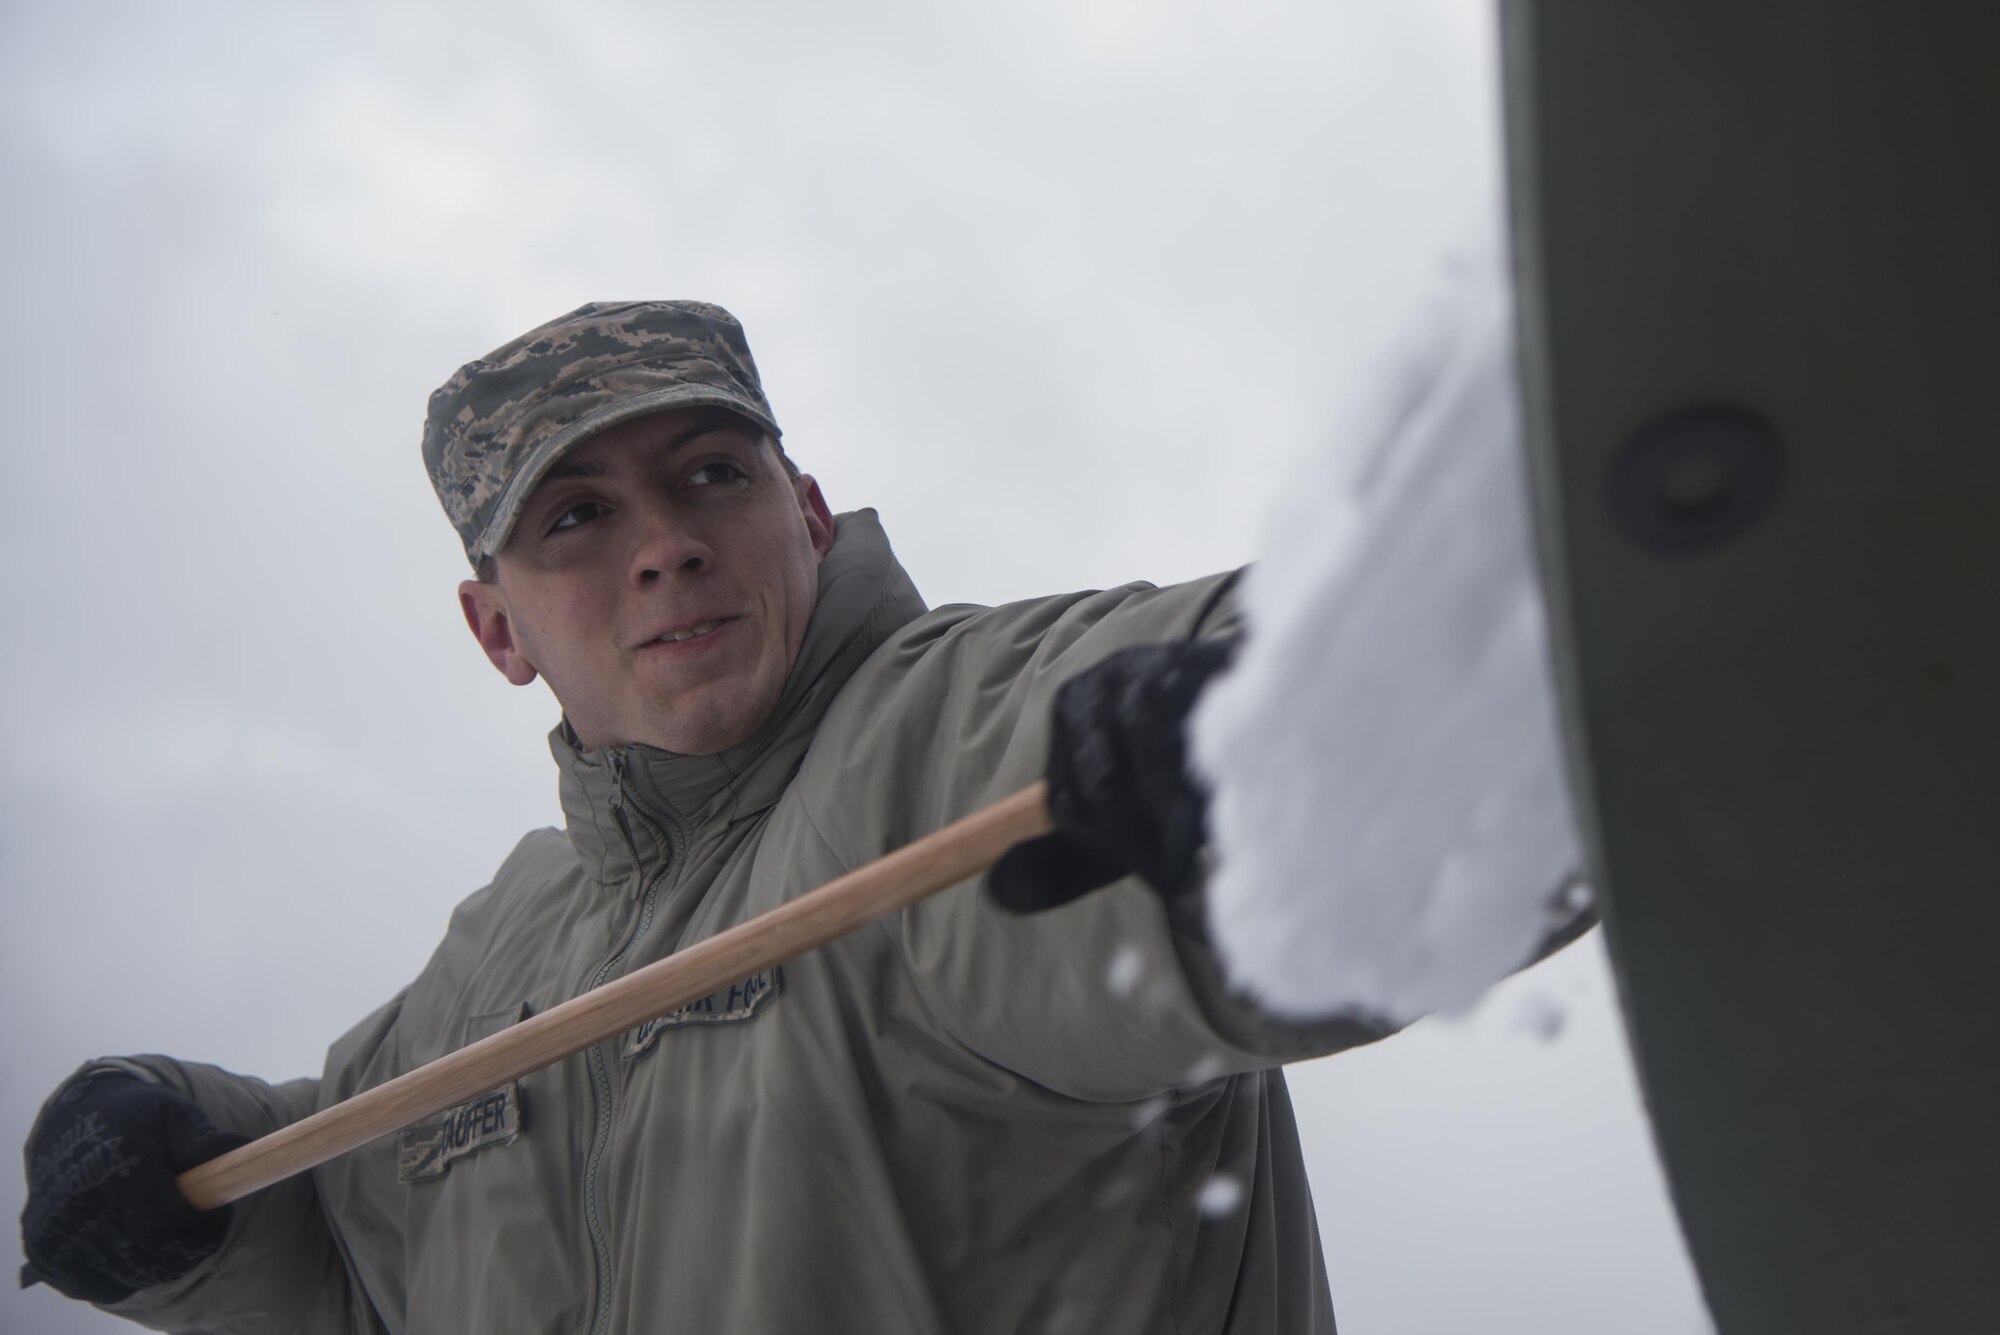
(1759, 259)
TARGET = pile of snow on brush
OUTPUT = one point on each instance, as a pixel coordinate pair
(1390, 818)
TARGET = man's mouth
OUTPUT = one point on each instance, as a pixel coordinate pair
(691, 633)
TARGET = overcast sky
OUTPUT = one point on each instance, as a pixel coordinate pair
(1065, 290)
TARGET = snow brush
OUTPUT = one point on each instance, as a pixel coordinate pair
(919, 869)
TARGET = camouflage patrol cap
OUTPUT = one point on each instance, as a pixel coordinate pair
(496, 426)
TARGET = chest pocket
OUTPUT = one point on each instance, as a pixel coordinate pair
(739, 1001)
(425, 1151)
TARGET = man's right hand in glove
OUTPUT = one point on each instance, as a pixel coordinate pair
(104, 1218)
(1122, 795)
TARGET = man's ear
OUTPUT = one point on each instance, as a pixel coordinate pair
(485, 608)
(819, 519)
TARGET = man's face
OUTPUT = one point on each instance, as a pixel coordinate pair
(660, 579)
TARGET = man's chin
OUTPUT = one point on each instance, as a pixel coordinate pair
(705, 727)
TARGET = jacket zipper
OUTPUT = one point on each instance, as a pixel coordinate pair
(597, 1058)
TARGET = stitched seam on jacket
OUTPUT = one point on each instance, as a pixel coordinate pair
(603, 838)
(824, 842)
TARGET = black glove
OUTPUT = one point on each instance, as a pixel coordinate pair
(104, 1218)
(1119, 789)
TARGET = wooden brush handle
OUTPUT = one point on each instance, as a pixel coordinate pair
(919, 869)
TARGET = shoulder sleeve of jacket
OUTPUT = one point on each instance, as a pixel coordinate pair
(1104, 998)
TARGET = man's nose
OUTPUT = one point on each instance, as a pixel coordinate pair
(667, 543)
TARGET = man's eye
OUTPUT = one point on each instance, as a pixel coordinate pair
(580, 513)
(721, 470)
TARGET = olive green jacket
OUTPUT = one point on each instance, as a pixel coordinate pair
(949, 1121)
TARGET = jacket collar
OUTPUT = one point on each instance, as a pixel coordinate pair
(864, 597)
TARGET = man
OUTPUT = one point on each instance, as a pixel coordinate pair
(958, 1119)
